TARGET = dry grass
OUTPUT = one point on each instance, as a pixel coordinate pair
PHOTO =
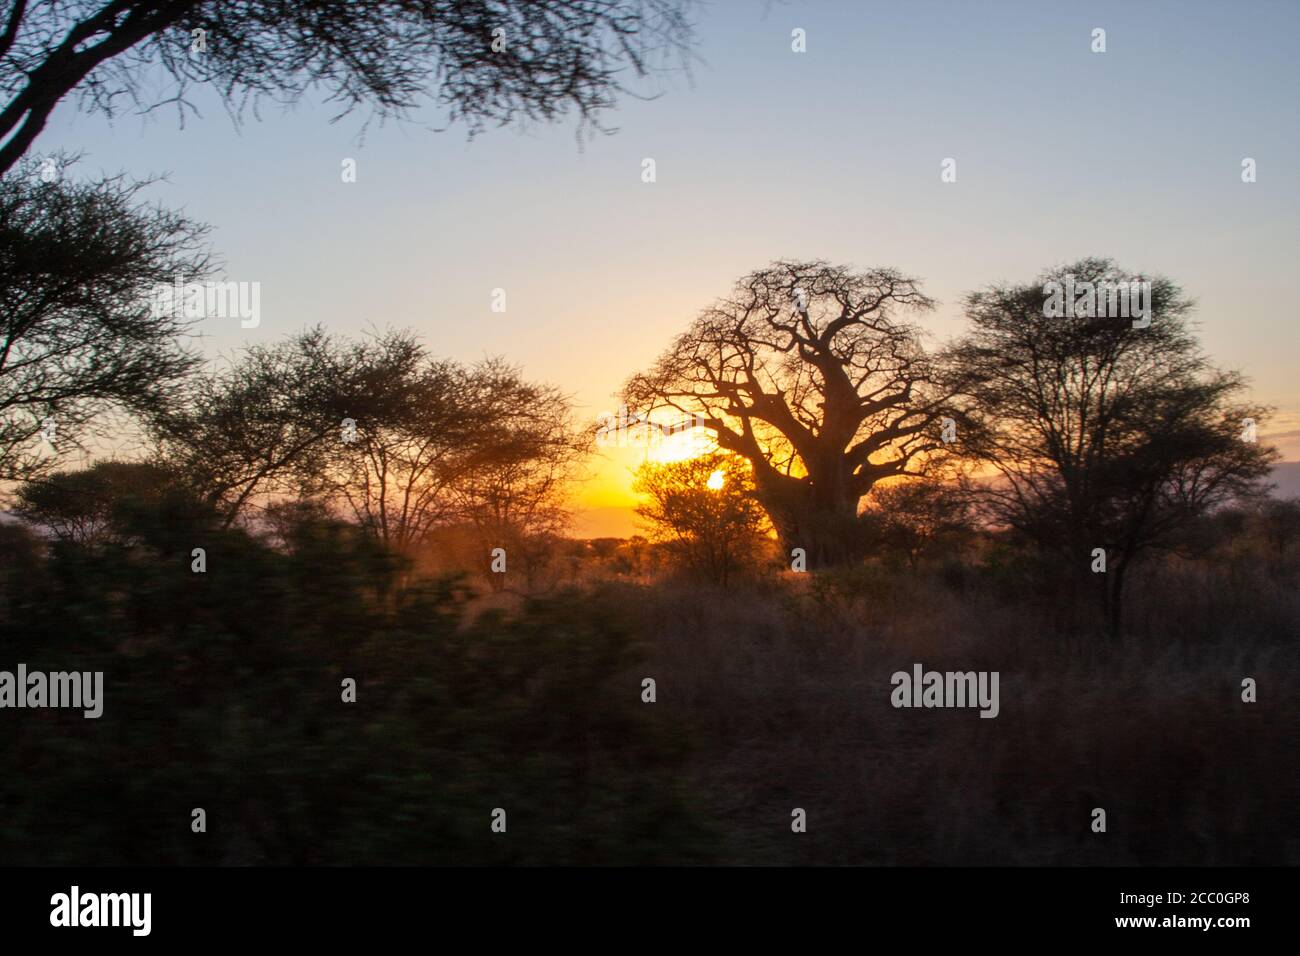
(783, 691)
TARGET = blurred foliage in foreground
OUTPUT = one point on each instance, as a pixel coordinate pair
(223, 691)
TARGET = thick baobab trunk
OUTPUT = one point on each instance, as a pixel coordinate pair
(819, 517)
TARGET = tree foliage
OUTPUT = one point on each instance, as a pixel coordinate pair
(480, 61)
(79, 336)
(382, 432)
(703, 509)
(94, 506)
(1102, 435)
(921, 517)
(223, 690)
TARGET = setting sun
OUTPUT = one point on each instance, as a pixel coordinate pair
(716, 480)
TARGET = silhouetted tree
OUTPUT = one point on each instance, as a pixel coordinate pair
(1279, 524)
(515, 492)
(79, 335)
(1103, 435)
(809, 374)
(482, 61)
(704, 509)
(92, 506)
(921, 517)
(396, 440)
(260, 425)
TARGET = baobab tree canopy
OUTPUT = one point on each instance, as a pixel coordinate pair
(811, 372)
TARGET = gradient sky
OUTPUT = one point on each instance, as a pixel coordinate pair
(764, 153)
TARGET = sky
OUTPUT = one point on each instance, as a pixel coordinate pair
(763, 153)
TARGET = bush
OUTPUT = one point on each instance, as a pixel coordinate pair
(223, 691)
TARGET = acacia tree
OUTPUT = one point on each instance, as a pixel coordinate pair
(259, 426)
(481, 61)
(922, 517)
(1102, 435)
(90, 506)
(515, 490)
(704, 510)
(79, 336)
(396, 440)
(393, 474)
(809, 372)
(464, 443)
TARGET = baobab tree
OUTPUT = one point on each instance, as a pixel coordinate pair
(809, 371)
